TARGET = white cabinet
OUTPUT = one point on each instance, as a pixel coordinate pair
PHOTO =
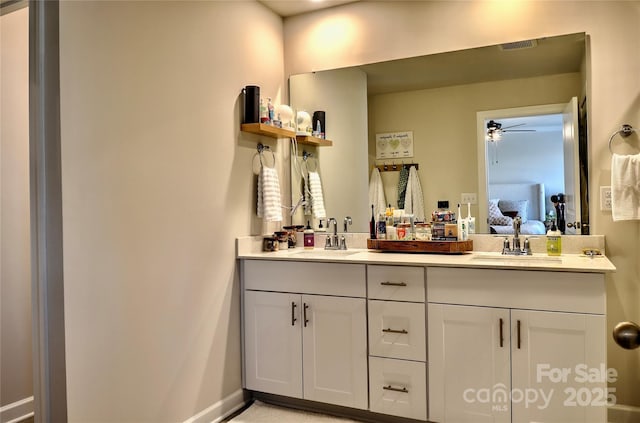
(492, 362)
(334, 340)
(304, 345)
(272, 342)
(397, 330)
(469, 350)
(397, 341)
(398, 387)
(558, 354)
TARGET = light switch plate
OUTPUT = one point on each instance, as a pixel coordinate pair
(469, 197)
(605, 198)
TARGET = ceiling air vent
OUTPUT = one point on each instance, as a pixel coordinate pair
(519, 45)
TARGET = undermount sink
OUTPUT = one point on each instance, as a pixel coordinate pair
(522, 259)
(319, 252)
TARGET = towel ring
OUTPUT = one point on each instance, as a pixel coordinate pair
(305, 158)
(624, 131)
(260, 154)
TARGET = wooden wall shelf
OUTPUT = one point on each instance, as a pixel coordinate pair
(275, 132)
(268, 130)
(309, 140)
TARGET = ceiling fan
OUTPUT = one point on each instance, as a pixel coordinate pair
(495, 130)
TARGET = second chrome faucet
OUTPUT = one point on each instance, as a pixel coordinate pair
(516, 250)
(333, 242)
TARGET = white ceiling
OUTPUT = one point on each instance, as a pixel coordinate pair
(286, 8)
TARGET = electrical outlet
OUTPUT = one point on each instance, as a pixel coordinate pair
(605, 198)
(469, 197)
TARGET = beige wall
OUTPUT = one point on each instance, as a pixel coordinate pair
(360, 33)
(157, 184)
(15, 281)
(443, 121)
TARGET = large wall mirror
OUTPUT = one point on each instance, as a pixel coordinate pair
(446, 102)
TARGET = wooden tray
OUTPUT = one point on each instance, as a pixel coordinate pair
(434, 247)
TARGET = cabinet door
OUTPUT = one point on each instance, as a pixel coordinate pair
(273, 343)
(335, 350)
(554, 355)
(469, 364)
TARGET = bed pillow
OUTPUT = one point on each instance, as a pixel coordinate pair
(520, 206)
(495, 215)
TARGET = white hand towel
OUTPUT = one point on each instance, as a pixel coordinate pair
(376, 193)
(625, 187)
(413, 200)
(269, 203)
(317, 199)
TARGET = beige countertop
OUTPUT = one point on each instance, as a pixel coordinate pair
(246, 249)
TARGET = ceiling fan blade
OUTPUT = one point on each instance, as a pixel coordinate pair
(514, 126)
(518, 130)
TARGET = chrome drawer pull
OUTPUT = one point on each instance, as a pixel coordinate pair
(393, 284)
(391, 388)
(389, 330)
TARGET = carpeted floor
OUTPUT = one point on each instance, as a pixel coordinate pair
(260, 412)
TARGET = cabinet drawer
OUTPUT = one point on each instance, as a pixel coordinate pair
(526, 289)
(337, 279)
(396, 283)
(397, 330)
(398, 387)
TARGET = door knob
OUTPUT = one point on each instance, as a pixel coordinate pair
(627, 335)
(573, 224)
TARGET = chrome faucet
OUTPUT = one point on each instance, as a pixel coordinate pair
(517, 221)
(347, 221)
(516, 250)
(332, 240)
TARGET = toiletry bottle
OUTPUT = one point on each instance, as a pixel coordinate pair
(264, 112)
(462, 226)
(271, 110)
(382, 227)
(321, 228)
(554, 241)
(309, 237)
(471, 221)
(372, 224)
(389, 215)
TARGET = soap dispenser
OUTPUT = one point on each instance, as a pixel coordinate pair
(309, 237)
(554, 241)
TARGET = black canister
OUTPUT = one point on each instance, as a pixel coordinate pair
(251, 104)
(318, 116)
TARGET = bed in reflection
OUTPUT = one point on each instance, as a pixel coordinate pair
(526, 200)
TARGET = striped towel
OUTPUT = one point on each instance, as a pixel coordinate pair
(402, 186)
(413, 200)
(316, 199)
(269, 203)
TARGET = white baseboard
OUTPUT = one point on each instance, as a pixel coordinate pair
(621, 413)
(220, 410)
(17, 411)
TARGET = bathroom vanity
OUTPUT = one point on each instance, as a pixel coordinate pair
(440, 338)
